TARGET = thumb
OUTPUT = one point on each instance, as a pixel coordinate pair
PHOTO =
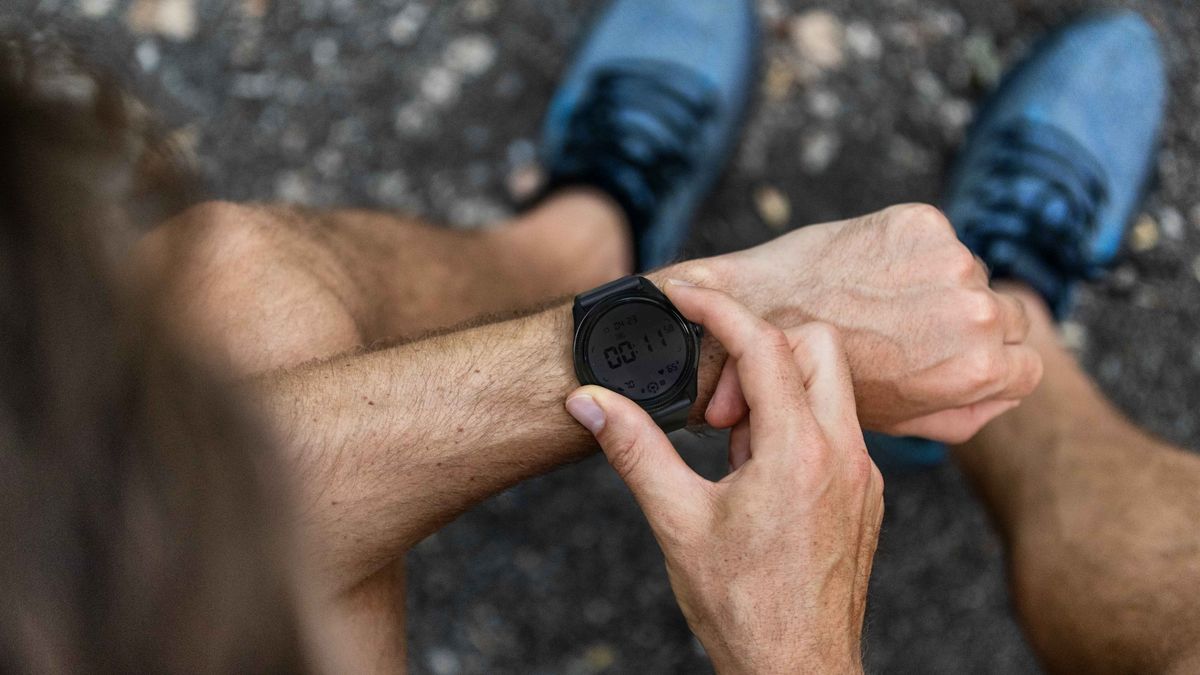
(637, 449)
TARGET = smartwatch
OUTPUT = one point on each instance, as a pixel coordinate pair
(629, 338)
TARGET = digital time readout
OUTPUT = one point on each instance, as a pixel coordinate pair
(637, 349)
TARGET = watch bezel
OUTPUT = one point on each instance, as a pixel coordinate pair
(587, 324)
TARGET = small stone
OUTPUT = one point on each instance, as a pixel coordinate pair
(255, 86)
(404, 28)
(599, 657)
(1124, 278)
(95, 9)
(778, 82)
(928, 86)
(955, 115)
(293, 188)
(441, 86)
(524, 181)
(862, 41)
(979, 50)
(1172, 224)
(478, 11)
(443, 661)
(471, 55)
(521, 151)
(172, 19)
(324, 52)
(1194, 216)
(1196, 268)
(414, 118)
(818, 151)
(1074, 335)
(773, 207)
(147, 55)
(391, 189)
(824, 104)
(328, 162)
(1145, 234)
(819, 37)
(255, 9)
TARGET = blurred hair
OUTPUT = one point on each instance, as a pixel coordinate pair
(139, 528)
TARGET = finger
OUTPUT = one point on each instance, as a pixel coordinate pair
(827, 380)
(1024, 372)
(770, 381)
(727, 406)
(638, 451)
(1014, 318)
(954, 426)
(739, 445)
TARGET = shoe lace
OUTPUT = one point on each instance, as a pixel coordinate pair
(1035, 208)
(636, 132)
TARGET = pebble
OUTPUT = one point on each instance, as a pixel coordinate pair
(824, 104)
(1145, 234)
(470, 55)
(818, 151)
(413, 118)
(1124, 278)
(147, 55)
(819, 37)
(778, 81)
(979, 50)
(254, 86)
(293, 188)
(404, 28)
(862, 41)
(443, 661)
(324, 52)
(441, 86)
(599, 657)
(955, 114)
(773, 207)
(1172, 224)
(524, 181)
(1194, 215)
(255, 9)
(391, 189)
(95, 9)
(172, 19)
(478, 11)
(1196, 268)
(1074, 336)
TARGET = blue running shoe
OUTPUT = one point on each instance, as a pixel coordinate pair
(1057, 163)
(1054, 169)
(651, 109)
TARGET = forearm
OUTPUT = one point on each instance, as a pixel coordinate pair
(391, 444)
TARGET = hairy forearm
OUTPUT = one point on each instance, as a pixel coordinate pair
(391, 444)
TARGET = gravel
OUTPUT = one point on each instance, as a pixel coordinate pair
(433, 108)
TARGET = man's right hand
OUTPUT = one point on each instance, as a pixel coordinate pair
(933, 350)
(769, 565)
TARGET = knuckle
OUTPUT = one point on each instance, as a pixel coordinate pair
(964, 267)
(982, 369)
(626, 456)
(823, 338)
(712, 273)
(925, 218)
(984, 309)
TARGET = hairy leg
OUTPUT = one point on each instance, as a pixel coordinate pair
(264, 287)
(269, 287)
(1102, 523)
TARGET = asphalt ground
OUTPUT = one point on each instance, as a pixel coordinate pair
(433, 109)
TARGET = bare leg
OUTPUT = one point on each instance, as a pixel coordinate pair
(271, 287)
(1102, 523)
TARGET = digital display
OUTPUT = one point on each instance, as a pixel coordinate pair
(637, 349)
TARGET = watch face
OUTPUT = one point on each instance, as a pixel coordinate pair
(637, 349)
